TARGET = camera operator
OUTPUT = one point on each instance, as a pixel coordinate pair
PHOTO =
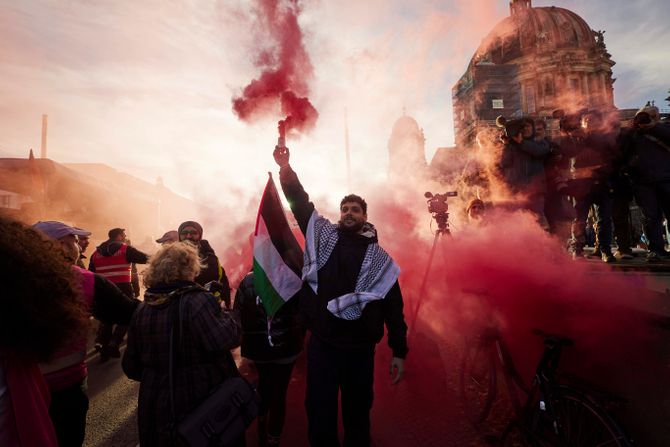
(522, 164)
(558, 210)
(592, 184)
(646, 149)
(476, 211)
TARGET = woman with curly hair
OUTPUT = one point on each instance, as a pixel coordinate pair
(206, 334)
(41, 312)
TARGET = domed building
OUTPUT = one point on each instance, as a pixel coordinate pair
(407, 151)
(533, 62)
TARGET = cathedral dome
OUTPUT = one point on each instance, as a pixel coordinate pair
(533, 62)
(406, 149)
(541, 30)
(404, 126)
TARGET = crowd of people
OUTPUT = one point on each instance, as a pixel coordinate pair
(180, 333)
(588, 177)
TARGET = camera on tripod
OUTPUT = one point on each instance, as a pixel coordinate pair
(437, 205)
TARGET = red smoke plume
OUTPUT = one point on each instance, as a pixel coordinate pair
(511, 272)
(282, 86)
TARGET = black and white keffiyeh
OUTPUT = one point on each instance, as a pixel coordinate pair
(377, 275)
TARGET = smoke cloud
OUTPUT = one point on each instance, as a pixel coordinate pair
(282, 86)
(509, 273)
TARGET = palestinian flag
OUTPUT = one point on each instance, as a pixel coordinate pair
(277, 255)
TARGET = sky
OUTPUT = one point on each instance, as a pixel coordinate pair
(146, 87)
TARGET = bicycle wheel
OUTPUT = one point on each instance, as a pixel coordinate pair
(578, 420)
(478, 379)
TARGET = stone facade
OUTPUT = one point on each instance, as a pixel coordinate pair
(561, 63)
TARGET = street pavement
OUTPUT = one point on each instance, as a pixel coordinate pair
(112, 414)
(407, 414)
(422, 410)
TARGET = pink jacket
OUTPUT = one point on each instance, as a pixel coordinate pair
(69, 366)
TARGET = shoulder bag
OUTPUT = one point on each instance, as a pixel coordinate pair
(223, 416)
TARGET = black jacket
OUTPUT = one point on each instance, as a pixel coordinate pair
(110, 304)
(337, 277)
(522, 165)
(597, 161)
(647, 161)
(286, 333)
(213, 270)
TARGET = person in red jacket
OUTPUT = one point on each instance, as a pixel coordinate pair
(113, 259)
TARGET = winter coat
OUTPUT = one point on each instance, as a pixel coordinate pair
(647, 161)
(213, 270)
(337, 277)
(285, 332)
(522, 165)
(202, 360)
(556, 167)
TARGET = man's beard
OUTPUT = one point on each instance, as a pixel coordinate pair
(351, 228)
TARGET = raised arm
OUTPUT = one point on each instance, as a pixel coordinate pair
(297, 198)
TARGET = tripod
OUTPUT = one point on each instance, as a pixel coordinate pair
(442, 219)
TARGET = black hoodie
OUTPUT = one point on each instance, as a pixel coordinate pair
(212, 270)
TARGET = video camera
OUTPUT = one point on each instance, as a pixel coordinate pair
(642, 119)
(437, 203)
(569, 122)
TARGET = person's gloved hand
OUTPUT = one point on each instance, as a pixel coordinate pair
(214, 287)
(281, 155)
(217, 289)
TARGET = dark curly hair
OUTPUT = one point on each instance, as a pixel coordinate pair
(356, 199)
(40, 297)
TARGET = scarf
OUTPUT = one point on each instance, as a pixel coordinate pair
(160, 294)
(377, 275)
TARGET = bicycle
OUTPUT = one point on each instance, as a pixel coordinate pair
(554, 413)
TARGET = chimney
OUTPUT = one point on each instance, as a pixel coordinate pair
(43, 150)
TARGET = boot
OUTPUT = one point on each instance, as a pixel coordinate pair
(608, 257)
